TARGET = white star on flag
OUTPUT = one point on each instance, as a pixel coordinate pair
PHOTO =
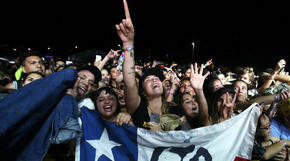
(106, 148)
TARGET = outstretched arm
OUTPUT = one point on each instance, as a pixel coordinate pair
(281, 64)
(265, 99)
(283, 78)
(126, 33)
(175, 84)
(197, 81)
(274, 149)
(208, 63)
(112, 54)
(273, 98)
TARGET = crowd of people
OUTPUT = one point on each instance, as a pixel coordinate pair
(165, 97)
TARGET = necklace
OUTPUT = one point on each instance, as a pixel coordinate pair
(154, 117)
(151, 111)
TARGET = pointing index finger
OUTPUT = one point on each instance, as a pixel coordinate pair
(127, 13)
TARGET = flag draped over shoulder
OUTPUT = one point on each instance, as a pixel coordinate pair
(36, 115)
(227, 141)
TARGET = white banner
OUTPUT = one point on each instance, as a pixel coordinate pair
(230, 140)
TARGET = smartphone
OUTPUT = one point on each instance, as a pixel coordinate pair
(98, 58)
(68, 62)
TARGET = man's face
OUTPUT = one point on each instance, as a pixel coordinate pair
(84, 84)
(33, 64)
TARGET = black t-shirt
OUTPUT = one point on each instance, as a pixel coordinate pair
(141, 114)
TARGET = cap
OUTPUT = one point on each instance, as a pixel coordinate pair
(94, 70)
(151, 71)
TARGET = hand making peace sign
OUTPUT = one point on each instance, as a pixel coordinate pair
(228, 106)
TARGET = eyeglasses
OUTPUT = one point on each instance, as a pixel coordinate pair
(266, 128)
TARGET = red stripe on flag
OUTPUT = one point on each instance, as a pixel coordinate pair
(240, 159)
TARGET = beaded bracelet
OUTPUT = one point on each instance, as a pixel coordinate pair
(120, 63)
(129, 48)
(276, 98)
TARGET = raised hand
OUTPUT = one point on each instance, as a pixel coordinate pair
(285, 95)
(124, 118)
(154, 64)
(126, 29)
(228, 106)
(281, 64)
(113, 54)
(173, 65)
(174, 79)
(282, 155)
(154, 126)
(196, 77)
(72, 92)
(138, 70)
(208, 63)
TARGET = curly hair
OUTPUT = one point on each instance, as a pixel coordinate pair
(108, 90)
(245, 70)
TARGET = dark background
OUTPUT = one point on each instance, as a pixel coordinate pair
(233, 33)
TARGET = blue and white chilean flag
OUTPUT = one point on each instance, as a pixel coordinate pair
(230, 140)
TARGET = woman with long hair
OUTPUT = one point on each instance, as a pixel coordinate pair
(147, 108)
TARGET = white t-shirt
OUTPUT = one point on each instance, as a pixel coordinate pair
(84, 103)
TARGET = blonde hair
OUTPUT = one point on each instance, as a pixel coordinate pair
(245, 70)
(250, 71)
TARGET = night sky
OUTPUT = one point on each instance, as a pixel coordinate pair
(232, 33)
